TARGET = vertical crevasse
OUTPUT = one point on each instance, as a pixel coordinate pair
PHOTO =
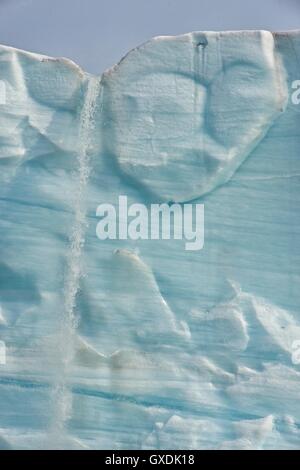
(62, 395)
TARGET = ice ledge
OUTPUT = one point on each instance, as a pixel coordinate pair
(198, 105)
(179, 114)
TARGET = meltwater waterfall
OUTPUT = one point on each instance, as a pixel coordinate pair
(62, 399)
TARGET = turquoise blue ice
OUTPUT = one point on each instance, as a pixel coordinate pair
(127, 344)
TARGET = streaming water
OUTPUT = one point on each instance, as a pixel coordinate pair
(62, 395)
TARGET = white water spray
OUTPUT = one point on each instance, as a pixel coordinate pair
(62, 393)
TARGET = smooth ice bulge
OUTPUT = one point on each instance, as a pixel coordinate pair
(138, 343)
(197, 106)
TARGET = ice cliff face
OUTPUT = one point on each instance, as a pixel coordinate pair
(138, 343)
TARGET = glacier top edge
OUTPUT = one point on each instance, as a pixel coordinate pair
(76, 67)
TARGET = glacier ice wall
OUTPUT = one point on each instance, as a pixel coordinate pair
(141, 344)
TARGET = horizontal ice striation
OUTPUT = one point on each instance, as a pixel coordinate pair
(141, 344)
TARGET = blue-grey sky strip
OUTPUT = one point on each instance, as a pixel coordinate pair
(97, 33)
